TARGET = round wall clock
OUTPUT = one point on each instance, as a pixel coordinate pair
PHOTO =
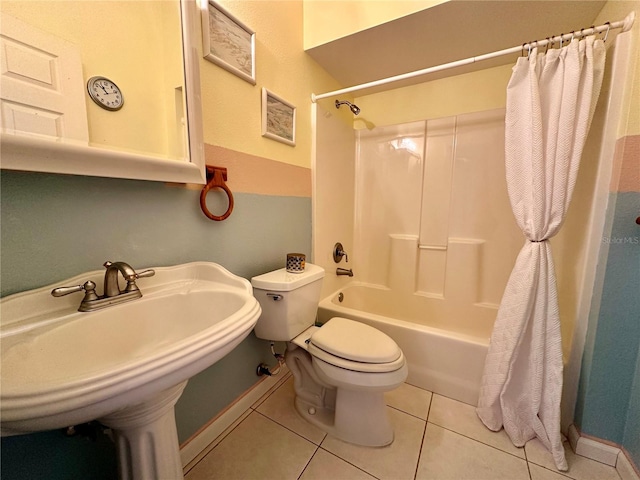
(105, 93)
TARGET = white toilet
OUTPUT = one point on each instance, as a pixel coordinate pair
(341, 370)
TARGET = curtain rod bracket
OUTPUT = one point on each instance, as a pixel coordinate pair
(628, 21)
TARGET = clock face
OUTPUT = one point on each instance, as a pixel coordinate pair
(105, 93)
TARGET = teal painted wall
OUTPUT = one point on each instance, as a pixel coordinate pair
(608, 404)
(57, 226)
(631, 440)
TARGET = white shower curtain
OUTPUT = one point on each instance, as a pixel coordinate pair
(550, 102)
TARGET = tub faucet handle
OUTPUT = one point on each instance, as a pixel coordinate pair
(338, 253)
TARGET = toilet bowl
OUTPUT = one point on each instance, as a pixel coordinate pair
(339, 391)
(341, 370)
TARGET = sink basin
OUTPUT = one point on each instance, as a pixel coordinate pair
(62, 367)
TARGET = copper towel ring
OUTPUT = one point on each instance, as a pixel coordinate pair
(215, 179)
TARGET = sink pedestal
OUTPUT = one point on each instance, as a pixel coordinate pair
(146, 437)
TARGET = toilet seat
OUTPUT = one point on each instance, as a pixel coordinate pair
(355, 346)
(355, 366)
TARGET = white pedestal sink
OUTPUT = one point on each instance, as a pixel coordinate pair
(125, 365)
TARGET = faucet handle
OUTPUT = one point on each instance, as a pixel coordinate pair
(131, 281)
(146, 273)
(61, 291)
(89, 288)
(338, 253)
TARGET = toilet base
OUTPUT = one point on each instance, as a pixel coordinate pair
(357, 415)
(360, 418)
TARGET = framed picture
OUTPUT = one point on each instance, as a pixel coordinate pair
(278, 118)
(228, 42)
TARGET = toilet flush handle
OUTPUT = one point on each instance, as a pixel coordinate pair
(274, 296)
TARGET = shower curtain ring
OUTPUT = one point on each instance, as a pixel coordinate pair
(608, 24)
(546, 48)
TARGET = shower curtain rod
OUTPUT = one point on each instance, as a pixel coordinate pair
(625, 24)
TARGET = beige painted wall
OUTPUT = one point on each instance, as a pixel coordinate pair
(130, 43)
(615, 10)
(458, 94)
(471, 92)
(325, 21)
(232, 106)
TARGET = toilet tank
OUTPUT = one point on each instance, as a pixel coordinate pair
(289, 302)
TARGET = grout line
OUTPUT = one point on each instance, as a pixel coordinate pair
(478, 441)
(475, 439)
(557, 472)
(308, 462)
(406, 413)
(348, 462)
(453, 399)
(424, 435)
(430, 405)
(236, 423)
(526, 459)
(230, 416)
(292, 431)
(217, 441)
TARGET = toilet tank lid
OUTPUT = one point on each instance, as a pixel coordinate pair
(283, 281)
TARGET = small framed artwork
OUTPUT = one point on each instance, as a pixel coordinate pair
(278, 118)
(228, 42)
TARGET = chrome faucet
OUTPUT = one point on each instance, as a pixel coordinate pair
(344, 271)
(112, 293)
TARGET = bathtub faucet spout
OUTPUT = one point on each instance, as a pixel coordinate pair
(344, 271)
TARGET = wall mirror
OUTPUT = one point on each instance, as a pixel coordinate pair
(50, 123)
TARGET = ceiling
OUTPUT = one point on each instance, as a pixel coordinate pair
(451, 31)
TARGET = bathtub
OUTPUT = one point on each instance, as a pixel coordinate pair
(445, 344)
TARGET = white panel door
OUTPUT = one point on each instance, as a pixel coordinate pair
(42, 87)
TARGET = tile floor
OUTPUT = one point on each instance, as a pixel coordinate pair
(435, 438)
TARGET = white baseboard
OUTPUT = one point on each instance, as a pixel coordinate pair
(592, 449)
(625, 468)
(603, 453)
(194, 446)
